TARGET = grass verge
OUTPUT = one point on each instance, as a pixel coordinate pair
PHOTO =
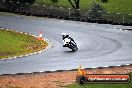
(15, 44)
(101, 85)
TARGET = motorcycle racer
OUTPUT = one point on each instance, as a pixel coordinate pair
(64, 35)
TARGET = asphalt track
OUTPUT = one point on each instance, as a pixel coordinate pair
(100, 45)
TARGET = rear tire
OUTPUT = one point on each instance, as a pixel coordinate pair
(73, 50)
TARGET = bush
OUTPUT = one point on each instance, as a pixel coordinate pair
(95, 11)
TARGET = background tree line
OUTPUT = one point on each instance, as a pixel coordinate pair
(21, 1)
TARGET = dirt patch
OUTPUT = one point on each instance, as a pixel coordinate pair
(55, 79)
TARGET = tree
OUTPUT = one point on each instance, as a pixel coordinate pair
(14, 5)
(76, 7)
(74, 3)
(96, 11)
(55, 1)
(104, 1)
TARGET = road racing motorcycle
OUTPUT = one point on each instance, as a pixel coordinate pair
(70, 44)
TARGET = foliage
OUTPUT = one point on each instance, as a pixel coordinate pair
(55, 1)
(104, 1)
(95, 11)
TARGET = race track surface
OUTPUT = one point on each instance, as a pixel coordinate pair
(100, 45)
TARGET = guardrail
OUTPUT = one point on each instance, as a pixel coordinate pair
(66, 13)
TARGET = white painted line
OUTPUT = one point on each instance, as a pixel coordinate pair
(30, 34)
(30, 72)
(30, 54)
(68, 69)
(26, 55)
(15, 57)
(40, 51)
(127, 64)
(62, 21)
(3, 59)
(94, 67)
(2, 28)
(22, 55)
(41, 71)
(118, 65)
(46, 39)
(53, 70)
(10, 57)
(35, 36)
(35, 53)
(21, 32)
(120, 29)
(19, 56)
(106, 66)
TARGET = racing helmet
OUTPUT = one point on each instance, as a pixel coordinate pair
(63, 34)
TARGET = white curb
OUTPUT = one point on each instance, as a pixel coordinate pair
(29, 54)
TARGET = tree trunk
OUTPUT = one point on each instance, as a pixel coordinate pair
(72, 4)
(76, 7)
(77, 4)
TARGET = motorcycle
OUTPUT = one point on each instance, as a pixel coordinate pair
(70, 44)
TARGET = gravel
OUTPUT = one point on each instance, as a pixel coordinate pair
(54, 79)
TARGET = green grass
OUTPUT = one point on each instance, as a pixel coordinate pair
(108, 85)
(119, 6)
(114, 6)
(64, 3)
(15, 44)
(100, 86)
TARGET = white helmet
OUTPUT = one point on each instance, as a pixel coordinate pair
(63, 34)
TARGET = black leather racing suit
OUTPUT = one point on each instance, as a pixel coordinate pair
(67, 36)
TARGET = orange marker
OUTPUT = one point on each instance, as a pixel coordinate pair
(40, 37)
